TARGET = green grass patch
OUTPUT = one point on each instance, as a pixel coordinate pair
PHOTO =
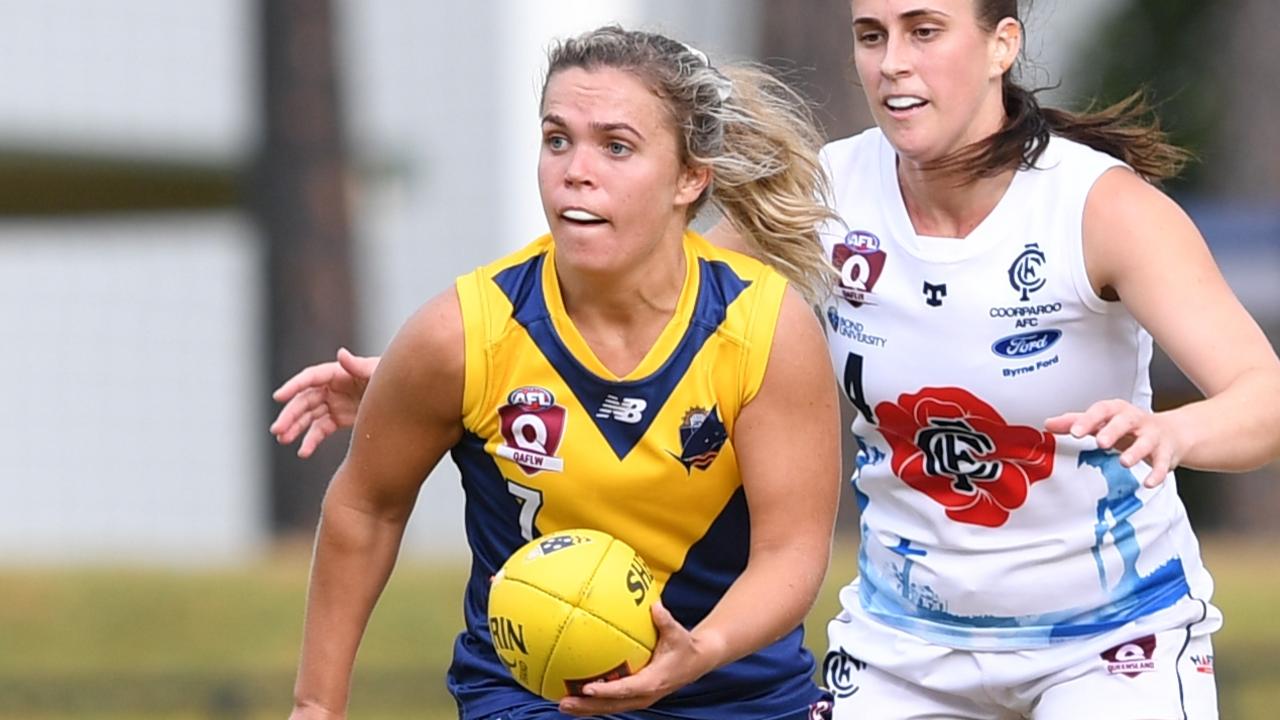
(126, 643)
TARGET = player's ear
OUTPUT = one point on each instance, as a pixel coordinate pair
(692, 181)
(1006, 42)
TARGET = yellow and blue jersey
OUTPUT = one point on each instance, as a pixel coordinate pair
(554, 440)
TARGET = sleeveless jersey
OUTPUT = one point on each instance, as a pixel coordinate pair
(980, 530)
(554, 440)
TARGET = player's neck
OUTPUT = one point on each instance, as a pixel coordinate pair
(621, 316)
(941, 206)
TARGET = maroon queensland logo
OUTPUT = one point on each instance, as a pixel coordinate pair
(1133, 658)
(859, 262)
(532, 425)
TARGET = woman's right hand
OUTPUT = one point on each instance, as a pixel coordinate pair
(321, 399)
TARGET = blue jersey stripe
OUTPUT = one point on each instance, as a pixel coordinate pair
(493, 532)
(522, 285)
(712, 565)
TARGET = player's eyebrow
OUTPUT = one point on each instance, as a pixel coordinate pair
(599, 127)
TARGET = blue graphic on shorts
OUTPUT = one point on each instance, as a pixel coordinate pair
(888, 592)
(1120, 502)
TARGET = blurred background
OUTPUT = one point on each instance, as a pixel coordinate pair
(199, 198)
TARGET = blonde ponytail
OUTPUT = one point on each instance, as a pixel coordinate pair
(755, 133)
(767, 180)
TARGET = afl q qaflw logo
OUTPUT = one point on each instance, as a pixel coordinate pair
(858, 261)
(532, 425)
(1026, 274)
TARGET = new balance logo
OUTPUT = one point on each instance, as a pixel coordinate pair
(627, 410)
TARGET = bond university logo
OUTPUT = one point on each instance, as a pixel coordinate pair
(1026, 274)
(702, 434)
(950, 445)
(1133, 658)
(859, 262)
(532, 426)
(624, 410)
(853, 329)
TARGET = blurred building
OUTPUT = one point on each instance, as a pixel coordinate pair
(132, 289)
(131, 275)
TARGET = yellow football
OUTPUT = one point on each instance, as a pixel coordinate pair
(572, 607)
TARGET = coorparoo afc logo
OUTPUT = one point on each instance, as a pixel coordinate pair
(1026, 274)
(532, 426)
(858, 261)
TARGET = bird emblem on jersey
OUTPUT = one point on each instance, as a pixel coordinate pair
(702, 434)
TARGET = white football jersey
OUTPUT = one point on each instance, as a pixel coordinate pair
(980, 530)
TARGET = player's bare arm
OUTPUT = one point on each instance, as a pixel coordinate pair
(1141, 247)
(410, 417)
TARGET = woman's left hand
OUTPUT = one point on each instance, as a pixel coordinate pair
(677, 661)
(1138, 435)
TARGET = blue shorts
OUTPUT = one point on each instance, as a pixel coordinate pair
(542, 710)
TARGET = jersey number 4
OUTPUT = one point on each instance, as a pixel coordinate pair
(853, 386)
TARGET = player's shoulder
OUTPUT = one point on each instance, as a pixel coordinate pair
(494, 290)
(523, 257)
(854, 145)
(852, 164)
(426, 357)
(1073, 158)
(850, 150)
(727, 267)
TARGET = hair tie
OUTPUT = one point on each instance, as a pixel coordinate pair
(723, 85)
(697, 53)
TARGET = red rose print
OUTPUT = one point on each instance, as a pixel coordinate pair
(957, 449)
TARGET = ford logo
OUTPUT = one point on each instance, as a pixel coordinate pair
(1026, 344)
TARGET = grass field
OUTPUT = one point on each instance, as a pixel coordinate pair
(128, 644)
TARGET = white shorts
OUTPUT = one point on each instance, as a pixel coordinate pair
(1136, 672)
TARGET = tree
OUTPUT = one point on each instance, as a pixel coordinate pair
(807, 46)
(299, 198)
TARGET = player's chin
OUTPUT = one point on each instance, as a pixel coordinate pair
(591, 261)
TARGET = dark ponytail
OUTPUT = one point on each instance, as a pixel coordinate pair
(1128, 130)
